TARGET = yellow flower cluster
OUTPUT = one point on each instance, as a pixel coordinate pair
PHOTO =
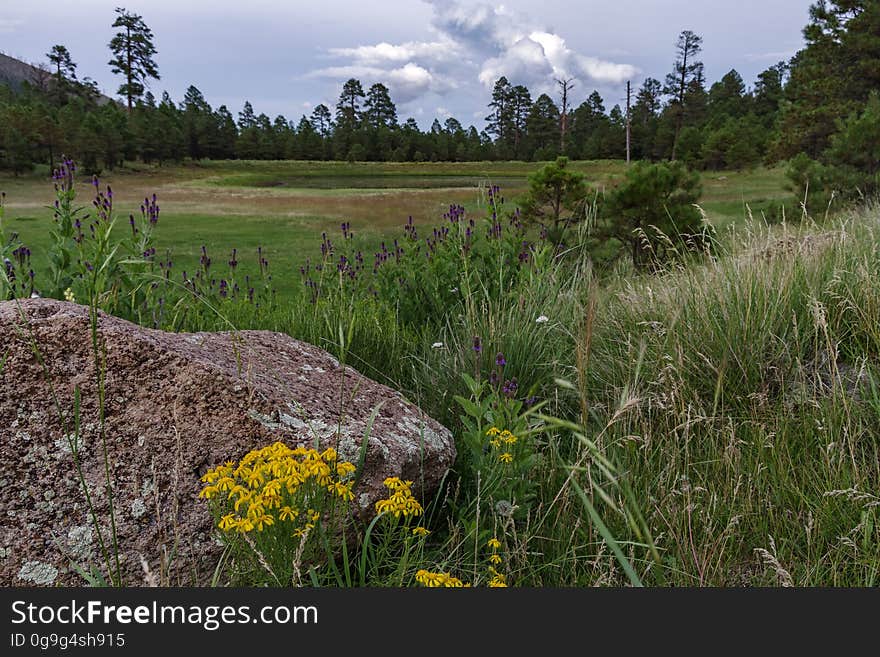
(436, 580)
(267, 484)
(69, 296)
(502, 440)
(401, 502)
(498, 580)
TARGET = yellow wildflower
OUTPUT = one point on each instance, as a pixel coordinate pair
(498, 580)
(210, 476)
(287, 513)
(225, 483)
(420, 531)
(506, 457)
(435, 580)
(341, 490)
(495, 559)
(244, 499)
(401, 502)
(208, 492)
(228, 522)
(494, 543)
(264, 520)
(494, 431)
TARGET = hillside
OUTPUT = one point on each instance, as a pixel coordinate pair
(15, 73)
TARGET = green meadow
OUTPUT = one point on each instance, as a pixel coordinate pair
(284, 206)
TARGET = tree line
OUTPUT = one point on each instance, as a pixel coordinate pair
(803, 109)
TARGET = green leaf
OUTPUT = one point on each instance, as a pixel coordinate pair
(469, 407)
(606, 534)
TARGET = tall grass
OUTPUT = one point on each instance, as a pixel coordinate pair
(714, 424)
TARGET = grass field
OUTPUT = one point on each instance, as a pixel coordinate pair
(284, 206)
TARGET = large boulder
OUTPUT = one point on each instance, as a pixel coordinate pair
(175, 406)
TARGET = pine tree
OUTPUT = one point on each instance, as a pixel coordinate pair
(686, 69)
(322, 123)
(380, 111)
(348, 118)
(520, 106)
(197, 122)
(543, 128)
(65, 68)
(499, 122)
(644, 117)
(246, 117)
(133, 52)
(225, 134)
(832, 76)
(348, 109)
(727, 98)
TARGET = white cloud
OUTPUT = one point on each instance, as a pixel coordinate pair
(475, 42)
(536, 59)
(382, 53)
(524, 61)
(405, 83)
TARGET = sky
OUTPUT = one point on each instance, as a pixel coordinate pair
(439, 58)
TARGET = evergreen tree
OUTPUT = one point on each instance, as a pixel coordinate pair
(322, 123)
(500, 120)
(348, 117)
(65, 72)
(197, 123)
(644, 118)
(309, 144)
(769, 93)
(653, 209)
(380, 111)
(133, 52)
(225, 134)
(246, 117)
(543, 128)
(686, 69)
(832, 76)
(588, 125)
(520, 107)
(727, 98)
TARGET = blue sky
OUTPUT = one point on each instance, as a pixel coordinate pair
(439, 57)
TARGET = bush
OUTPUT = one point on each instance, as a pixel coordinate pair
(653, 212)
(556, 196)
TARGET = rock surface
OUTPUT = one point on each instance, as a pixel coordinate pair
(175, 406)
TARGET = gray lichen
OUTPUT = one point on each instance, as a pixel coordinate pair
(37, 572)
(79, 541)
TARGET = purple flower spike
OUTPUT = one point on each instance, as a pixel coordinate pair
(500, 360)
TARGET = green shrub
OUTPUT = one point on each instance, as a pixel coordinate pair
(653, 212)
